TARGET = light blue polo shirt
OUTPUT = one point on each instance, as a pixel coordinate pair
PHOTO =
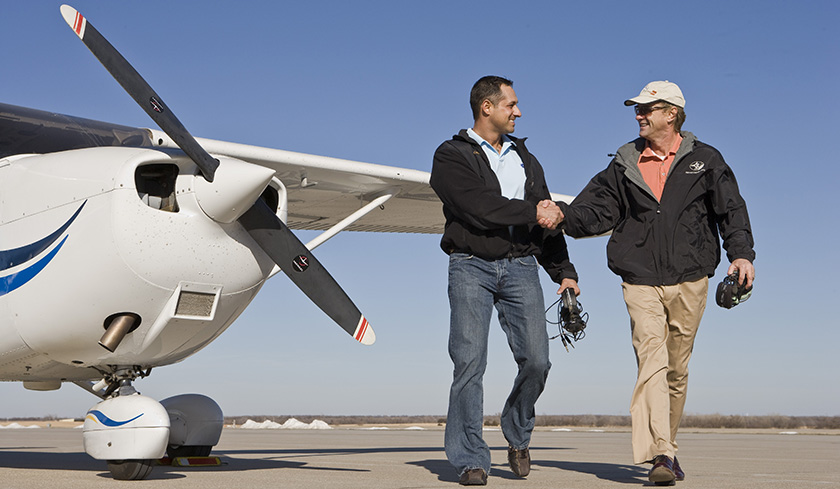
(507, 165)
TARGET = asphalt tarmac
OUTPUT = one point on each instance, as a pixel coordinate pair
(349, 458)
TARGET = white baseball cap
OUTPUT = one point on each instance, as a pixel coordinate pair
(659, 90)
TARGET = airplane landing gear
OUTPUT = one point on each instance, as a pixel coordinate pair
(173, 451)
(130, 470)
(196, 423)
(131, 431)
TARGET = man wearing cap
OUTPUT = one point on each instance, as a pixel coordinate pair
(666, 198)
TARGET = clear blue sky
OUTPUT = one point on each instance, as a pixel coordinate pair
(386, 82)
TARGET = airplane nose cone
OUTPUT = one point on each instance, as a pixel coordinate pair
(235, 188)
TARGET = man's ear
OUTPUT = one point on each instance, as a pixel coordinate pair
(486, 106)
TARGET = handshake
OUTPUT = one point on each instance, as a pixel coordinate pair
(549, 215)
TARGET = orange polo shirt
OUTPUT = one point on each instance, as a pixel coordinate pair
(655, 168)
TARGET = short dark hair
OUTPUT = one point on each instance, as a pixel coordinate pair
(487, 88)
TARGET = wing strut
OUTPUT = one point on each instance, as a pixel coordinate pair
(347, 221)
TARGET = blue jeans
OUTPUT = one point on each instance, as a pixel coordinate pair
(475, 287)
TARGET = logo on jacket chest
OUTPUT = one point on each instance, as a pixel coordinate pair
(695, 167)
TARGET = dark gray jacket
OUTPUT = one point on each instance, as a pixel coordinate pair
(669, 242)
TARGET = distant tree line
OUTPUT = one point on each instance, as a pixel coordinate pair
(339, 420)
(773, 421)
(731, 421)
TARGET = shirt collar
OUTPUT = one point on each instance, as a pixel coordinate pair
(648, 153)
(506, 141)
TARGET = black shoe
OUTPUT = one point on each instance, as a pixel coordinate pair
(662, 473)
(520, 461)
(473, 477)
(678, 471)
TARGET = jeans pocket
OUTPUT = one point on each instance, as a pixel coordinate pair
(460, 257)
(527, 261)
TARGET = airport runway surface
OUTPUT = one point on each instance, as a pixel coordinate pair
(398, 458)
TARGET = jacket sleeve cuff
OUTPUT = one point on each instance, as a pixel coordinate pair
(568, 271)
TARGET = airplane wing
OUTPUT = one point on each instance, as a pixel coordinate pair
(324, 190)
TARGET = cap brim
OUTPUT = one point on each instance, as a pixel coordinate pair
(640, 100)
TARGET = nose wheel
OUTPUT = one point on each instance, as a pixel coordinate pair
(128, 431)
(130, 470)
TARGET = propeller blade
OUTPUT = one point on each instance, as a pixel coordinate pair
(297, 262)
(139, 90)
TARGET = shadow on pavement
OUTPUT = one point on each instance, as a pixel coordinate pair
(627, 474)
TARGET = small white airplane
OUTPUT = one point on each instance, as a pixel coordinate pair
(124, 249)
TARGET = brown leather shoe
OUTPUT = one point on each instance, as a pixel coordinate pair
(662, 473)
(678, 471)
(520, 461)
(473, 477)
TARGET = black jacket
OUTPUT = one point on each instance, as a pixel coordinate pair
(672, 241)
(478, 217)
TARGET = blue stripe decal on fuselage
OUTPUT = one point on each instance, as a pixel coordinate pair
(100, 416)
(15, 280)
(12, 258)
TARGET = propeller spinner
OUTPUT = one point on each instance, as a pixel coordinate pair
(270, 233)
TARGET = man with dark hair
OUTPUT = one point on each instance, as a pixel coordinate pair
(667, 198)
(490, 186)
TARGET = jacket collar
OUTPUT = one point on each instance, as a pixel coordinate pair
(627, 157)
(519, 147)
(463, 136)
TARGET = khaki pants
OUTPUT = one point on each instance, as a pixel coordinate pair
(664, 322)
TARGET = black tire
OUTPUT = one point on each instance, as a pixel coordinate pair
(188, 451)
(130, 470)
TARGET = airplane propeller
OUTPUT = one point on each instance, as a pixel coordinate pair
(268, 230)
(306, 272)
(140, 91)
